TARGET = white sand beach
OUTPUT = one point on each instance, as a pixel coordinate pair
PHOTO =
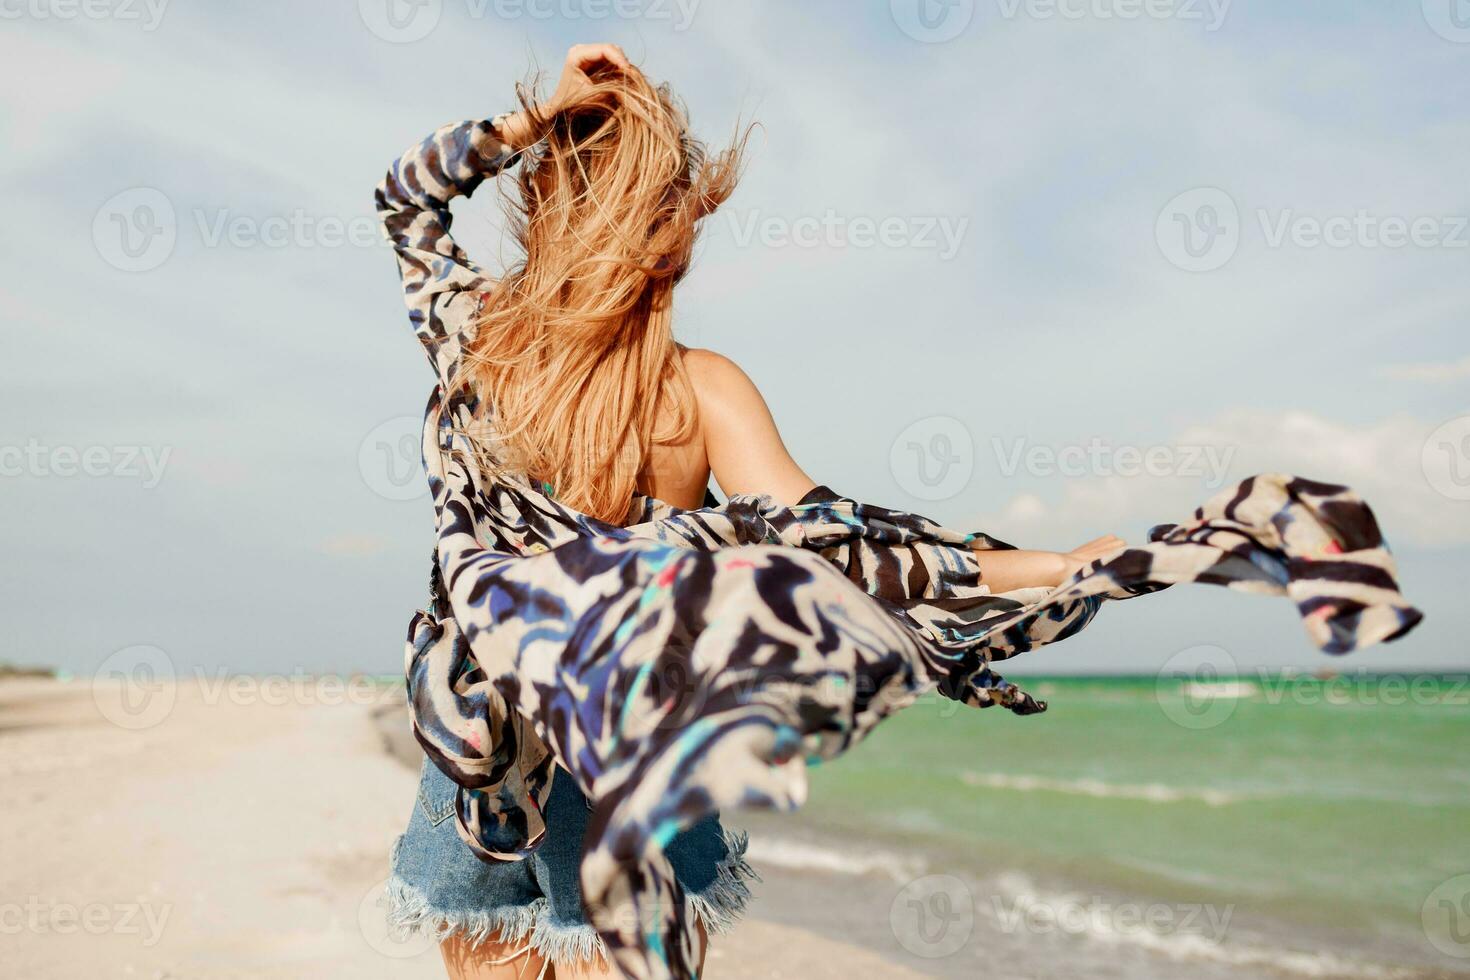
(243, 831)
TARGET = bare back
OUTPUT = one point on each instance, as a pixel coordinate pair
(735, 439)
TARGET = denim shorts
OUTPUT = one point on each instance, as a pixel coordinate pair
(439, 886)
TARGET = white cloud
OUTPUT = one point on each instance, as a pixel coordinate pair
(1432, 372)
(1383, 461)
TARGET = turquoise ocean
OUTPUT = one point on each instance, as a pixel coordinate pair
(1267, 825)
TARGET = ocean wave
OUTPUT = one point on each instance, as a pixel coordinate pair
(1149, 792)
(796, 855)
(1201, 937)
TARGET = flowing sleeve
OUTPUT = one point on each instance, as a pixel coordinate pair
(896, 556)
(701, 660)
(441, 286)
(924, 575)
(469, 730)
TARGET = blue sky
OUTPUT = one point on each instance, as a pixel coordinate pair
(1084, 232)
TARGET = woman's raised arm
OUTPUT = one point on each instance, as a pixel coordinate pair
(441, 286)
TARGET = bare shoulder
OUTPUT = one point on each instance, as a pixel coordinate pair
(719, 383)
(712, 367)
(742, 443)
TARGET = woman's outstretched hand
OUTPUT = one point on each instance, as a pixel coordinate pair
(1007, 570)
(582, 59)
(1080, 557)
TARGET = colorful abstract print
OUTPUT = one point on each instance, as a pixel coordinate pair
(698, 660)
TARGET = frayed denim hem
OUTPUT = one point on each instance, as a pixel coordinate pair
(718, 907)
(722, 904)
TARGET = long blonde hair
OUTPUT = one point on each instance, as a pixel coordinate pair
(574, 352)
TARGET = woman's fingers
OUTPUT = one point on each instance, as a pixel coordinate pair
(584, 56)
(581, 59)
(1108, 544)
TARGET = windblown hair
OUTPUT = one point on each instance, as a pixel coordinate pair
(574, 351)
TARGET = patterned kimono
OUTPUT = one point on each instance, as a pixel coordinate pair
(698, 660)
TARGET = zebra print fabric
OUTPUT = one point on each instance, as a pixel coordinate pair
(697, 660)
